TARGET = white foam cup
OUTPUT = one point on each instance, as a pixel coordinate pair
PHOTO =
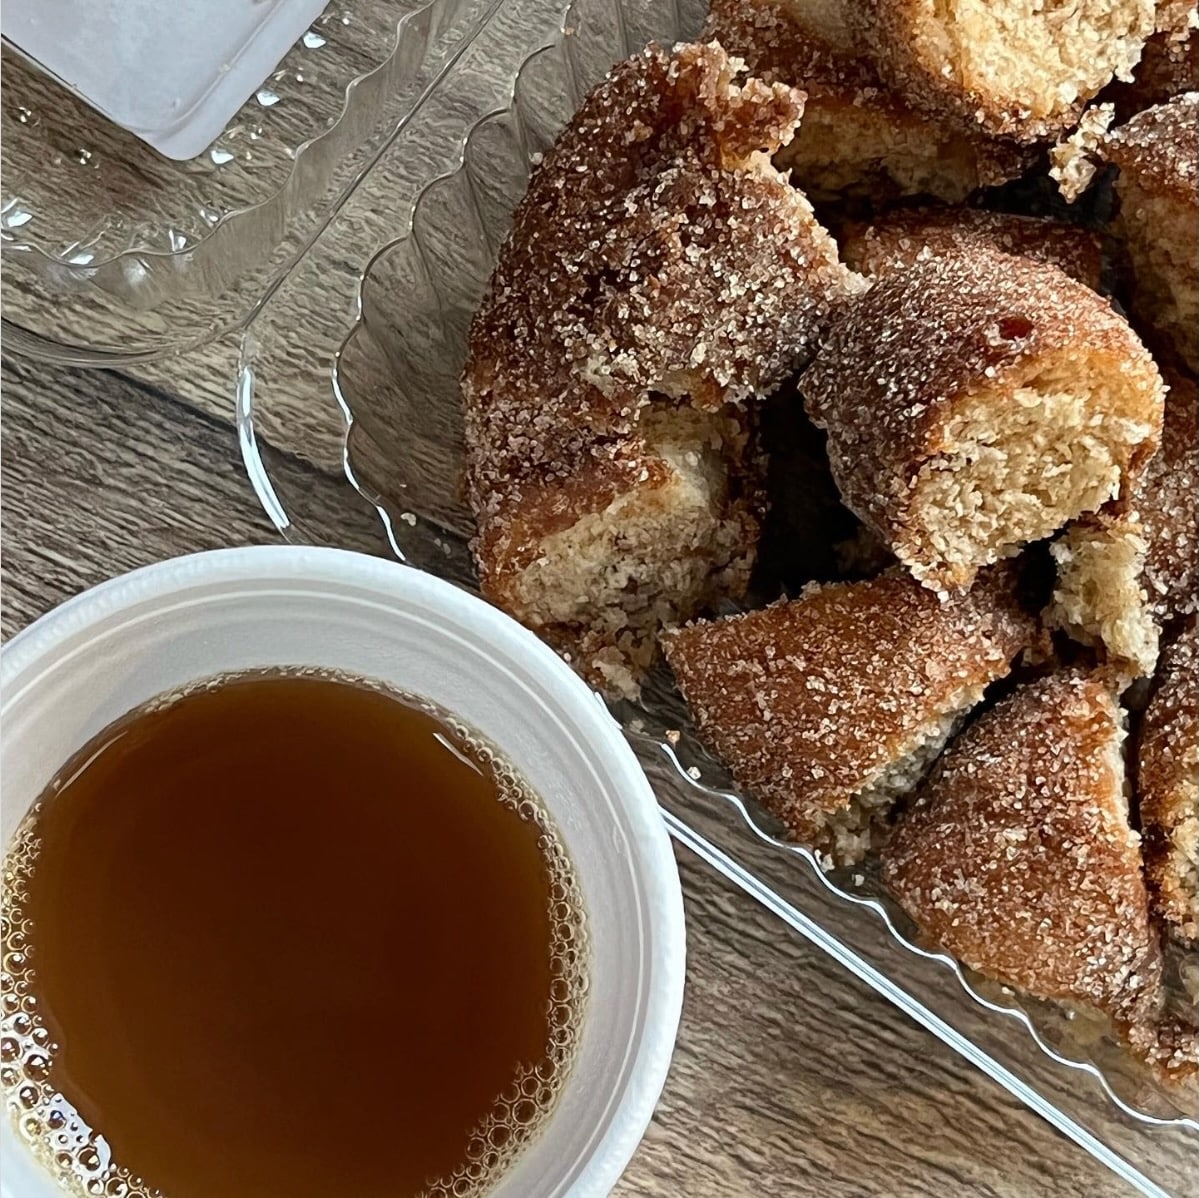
(100, 655)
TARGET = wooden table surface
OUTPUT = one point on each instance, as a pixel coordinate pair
(790, 1077)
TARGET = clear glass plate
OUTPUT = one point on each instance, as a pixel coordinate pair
(358, 370)
(114, 253)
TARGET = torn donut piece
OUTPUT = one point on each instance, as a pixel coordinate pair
(1129, 569)
(1169, 63)
(1159, 189)
(656, 253)
(1168, 762)
(858, 137)
(911, 235)
(1018, 857)
(1020, 68)
(830, 707)
(597, 556)
(660, 277)
(978, 402)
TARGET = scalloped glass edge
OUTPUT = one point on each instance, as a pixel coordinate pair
(281, 202)
(313, 173)
(684, 782)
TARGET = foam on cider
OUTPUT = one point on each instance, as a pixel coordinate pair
(78, 1157)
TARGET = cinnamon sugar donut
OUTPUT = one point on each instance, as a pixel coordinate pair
(1160, 205)
(830, 707)
(1168, 66)
(1020, 68)
(911, 235)
(596, 560)
(1132, 567)
(1168, 761)
(978, 402)
(858, 137)
(660, 275)
(1018, 857)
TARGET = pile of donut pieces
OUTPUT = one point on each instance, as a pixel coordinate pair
(1003, 709)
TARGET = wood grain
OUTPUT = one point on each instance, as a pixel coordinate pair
(790, 1077)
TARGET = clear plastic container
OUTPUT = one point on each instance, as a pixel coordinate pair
(351, 362)
(115, 254)
(379, 394)
(106, 652)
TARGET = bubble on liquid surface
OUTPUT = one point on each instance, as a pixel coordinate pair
(531, 1096)
(79, 1159)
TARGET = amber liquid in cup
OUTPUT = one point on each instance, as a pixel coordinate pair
(287, 935)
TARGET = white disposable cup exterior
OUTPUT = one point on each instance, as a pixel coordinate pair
(98, 656)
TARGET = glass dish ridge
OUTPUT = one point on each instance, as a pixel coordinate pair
(222, 261)
(330, 141)
(441, 285)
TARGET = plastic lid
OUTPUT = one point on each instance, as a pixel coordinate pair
(172, 72)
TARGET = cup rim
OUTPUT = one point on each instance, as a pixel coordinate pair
(173, 577)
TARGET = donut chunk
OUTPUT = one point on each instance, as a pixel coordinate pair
(1074, 158)
(911, 235)
(1168, 66)
(1132, 567)
(1168, 761)
(684, 267)
(1021, 68)
(830, 707)
(1018, 857)
(660, 275)
(857, 137)
(595, 561)
(1158, 159)
(977, 402)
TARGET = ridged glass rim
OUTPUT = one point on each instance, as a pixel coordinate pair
(282, 196)
(683, 781)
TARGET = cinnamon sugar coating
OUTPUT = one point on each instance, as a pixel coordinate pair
(1018, 856)
(911, 235)
(1169, 1046)
(1017, 67)
(655, 251)
(858, 136)
(1167, 765)
(1157, 184)
(1167, 498)
(1131, 568)
(660, 277)
(978, 402)
(1158, 146)
(842, 696)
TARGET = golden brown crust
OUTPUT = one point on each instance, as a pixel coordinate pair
(1167, 500)
(1168, 68)
(980, 63)
(1167, 784)
(911, 235)
(655, 251)
(898, 363)
(1159, 209)
(857, 135)
(775, 44)
(1158, 148)
(810, 701)
(1018, 857)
